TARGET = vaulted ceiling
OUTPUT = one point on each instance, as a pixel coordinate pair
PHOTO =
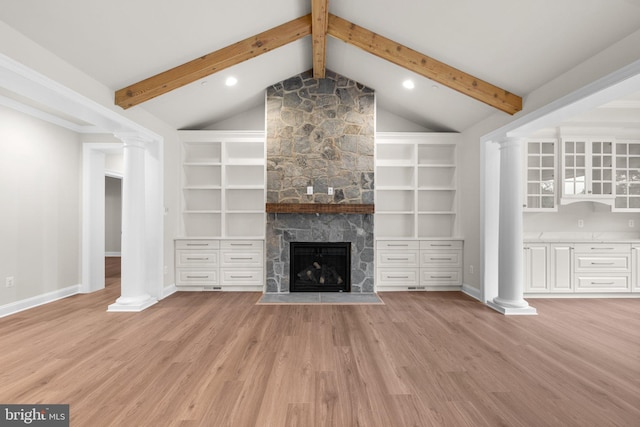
(514, 46)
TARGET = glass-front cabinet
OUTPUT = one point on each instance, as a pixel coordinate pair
(559, 171)
(587, 170)
(540, 165)
(627, 166)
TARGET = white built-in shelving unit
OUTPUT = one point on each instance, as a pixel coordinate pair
(223, 184)
(416, 185)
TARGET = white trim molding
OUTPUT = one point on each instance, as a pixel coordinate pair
(37, 300)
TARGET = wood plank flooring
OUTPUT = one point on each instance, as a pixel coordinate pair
(422, 359)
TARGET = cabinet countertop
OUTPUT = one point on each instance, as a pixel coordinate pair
(568, 237)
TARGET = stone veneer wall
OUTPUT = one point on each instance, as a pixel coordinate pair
(286, 228)
(320, 133)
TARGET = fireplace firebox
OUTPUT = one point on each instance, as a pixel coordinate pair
(320, 267)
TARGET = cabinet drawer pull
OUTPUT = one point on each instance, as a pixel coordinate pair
(240, 257)
(441, 259)
(603, 283)
(442, 245)
(241, 244)
(197, 244)
(397, 277)
(604, 249)
(398, 259)
(197, 277)
(440, 277)
(197, 259)
(602, 263)
(241, 277)
(404, 245)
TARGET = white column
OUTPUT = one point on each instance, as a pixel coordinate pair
(510, 257)
(134, 296)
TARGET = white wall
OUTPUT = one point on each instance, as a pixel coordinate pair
(252, 119)
(597, 218)
(112, 216)
(40, 218)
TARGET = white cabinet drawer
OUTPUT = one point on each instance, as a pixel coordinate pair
(193, 258)
(440, 244)
(197, 244)
(602, 248)
(388, 258)
(441, 258)
(197, 277)
(440, 277)
(399, 277)
(593, 283)
(602, 263)
(241, 258)
(398, 244)
(242, 245)
(246, 276)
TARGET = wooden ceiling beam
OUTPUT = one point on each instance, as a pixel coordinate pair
(319, 23)
(425, 66)
(213, 62)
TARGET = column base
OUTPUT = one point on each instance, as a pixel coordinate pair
(123, 304)
(509, 311)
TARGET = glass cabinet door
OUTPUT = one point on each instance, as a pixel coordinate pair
(601, 168)
(627, 162)
(540, 175)
(575, 168)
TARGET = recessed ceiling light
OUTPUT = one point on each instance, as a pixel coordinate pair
(203, 83)
(408, 84)
(231, 81)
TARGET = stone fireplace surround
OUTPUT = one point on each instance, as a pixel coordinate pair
(284, 228)
(320, 133)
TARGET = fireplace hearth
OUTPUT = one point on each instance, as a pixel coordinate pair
(320, 267)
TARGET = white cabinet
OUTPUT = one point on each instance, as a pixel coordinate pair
(602, 267)
(419, 265)
(627, 166)
(223, 184)
(536, 270)
(587, 170)
(540, 175)
(197, 263)
(228, 265)
(580, 268)
(561, 268)
(416, 185)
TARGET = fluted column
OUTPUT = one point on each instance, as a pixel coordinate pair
(510, 299)
(134, 296)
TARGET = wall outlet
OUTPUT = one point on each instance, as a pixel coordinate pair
(580, 223)
(330, 191)
(10, 282)
(309, 190)
(471, 269)
(166, 269)
(631, 223)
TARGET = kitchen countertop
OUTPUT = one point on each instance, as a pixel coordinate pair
(553, 237)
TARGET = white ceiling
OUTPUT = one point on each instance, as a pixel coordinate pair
(515, 44)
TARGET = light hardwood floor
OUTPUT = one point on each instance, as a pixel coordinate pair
(423, 359)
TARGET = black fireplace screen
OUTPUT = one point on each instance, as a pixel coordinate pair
(320, 267)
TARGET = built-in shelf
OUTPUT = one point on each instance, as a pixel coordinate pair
(416, 187)
(223, 184)
(326, 208)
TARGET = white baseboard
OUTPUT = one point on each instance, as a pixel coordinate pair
(116, 254)
(471, 291)
(28, 303)
(168, 290)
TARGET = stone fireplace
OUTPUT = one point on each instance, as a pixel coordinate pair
(320, 134)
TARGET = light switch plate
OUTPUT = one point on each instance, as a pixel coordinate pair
(309, 190)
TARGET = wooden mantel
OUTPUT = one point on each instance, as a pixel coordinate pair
(324, 208)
